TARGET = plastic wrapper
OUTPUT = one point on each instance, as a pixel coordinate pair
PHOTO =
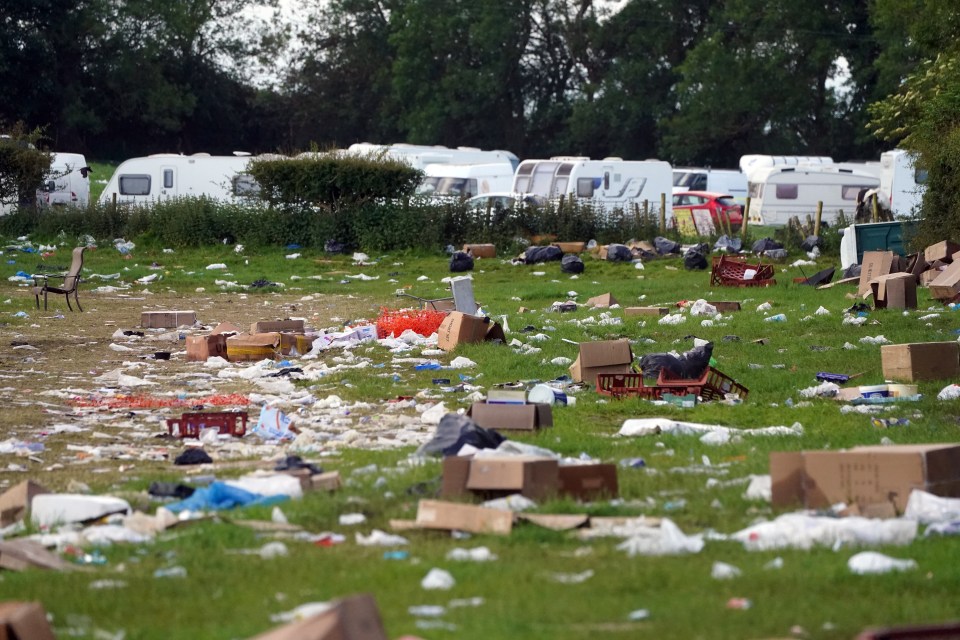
(802, 531)
(571, 263)
(927, 508)
(619, 253)
(536, 255)
(689, 365)
(665, 246)
(871, 563)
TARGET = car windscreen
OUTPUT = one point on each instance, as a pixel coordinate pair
(727, 201)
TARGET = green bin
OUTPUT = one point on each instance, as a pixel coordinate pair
(884, 236)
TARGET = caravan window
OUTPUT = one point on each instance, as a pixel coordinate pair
(134, 185)
(168, 178)
(543, 178)
(849, 192)
(786, 192)
(584, 187)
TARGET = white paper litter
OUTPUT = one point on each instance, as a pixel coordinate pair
(871, 563)
(949, 392)
(653, 426)
(572, 578)
(927, 508)
(760, 488)
(438, 579)
(802, 531)
(349, 519)
(724, 571)
(667, 539)
(216, 265)
(462, 363)
(477, 554)
(874, 340)
(378, 538)
(703, 308)
(672, 319)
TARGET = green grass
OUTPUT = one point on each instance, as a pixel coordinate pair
(228, 595)
(102, 172)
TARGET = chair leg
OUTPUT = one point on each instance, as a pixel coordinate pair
(68, 302)
(44, 300)
(37, 296)
(76, 298)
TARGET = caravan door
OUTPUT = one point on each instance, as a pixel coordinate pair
(168, 182)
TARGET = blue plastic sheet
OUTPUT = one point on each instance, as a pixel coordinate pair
(219, 496)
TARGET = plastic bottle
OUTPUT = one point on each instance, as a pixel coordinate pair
(777, 318)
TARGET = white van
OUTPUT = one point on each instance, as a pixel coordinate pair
(901, 183)
(67, 183)
(166, 176)
(466, 180)
(419, 156)
(728, 181)
(782, 192)
(610, 183)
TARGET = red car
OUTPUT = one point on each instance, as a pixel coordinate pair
(723, 211)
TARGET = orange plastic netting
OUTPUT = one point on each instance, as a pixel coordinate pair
(395, 321)
(156, 402)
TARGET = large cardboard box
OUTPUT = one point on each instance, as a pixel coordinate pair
(453, 482)
(277, 326)
(607, 356)
(646, 311)
(571, 247)
(353, 618)
(255, 347)
(723, 306)
(199, 348)
(167, 319)
(511, 417)
(24, 621)
(589, 481)
(15, 501)
(947, 283)
(920, 361)
(874, 265)
(603, 300)
(531, 476)
(453, 516)
(877, 480)
(460, 328)
(941, 251)
(481, 250)
(894, 291)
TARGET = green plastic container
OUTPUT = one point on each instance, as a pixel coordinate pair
(884, 236)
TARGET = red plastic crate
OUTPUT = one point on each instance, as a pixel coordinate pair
(730, 272)
(619, 385)
(712, 385)
(188, 425)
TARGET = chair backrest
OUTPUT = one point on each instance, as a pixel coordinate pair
(70, 281)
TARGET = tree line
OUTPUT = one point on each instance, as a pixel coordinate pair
(690, 81)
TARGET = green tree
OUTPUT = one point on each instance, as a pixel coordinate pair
(22, 165)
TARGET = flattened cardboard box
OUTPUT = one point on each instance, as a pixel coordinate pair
(15, 501)
(920, 361)
(167, 319)
(603, 300)
(874, 265)
(607, 356)
(943, 250)
(277, 326)
(571, 247)
(894, 291)
(24, 621)
(437, 514)
(258, 346)
(947, 283)
(646, 311)
(481, 250)
(876, 479)
(199, 348)
(589, 481)
(516, 417)
(459, 328)
(723, 306)
(353, 618)
(530, 476)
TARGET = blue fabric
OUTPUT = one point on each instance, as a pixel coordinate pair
(220, 495)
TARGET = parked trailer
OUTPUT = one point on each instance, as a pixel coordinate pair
(419, 156)
(67, 183)
(901, 182)
(610, 183)
(729, 181)
(466, 180)
(782, 192)
(754, 162)
(166, 176)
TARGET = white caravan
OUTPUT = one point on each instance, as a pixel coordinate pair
(67, 183)
(610, 183)
(419, 156)
(466, 180)
(782, 192)
(901, 183)
(165, 176)
(729, 181)
(754, 162)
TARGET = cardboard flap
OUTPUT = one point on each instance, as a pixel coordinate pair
(255, 340)
(875, 264)
(24, 621)
(603, 353)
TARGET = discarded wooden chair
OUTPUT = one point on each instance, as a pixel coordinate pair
(70, 286)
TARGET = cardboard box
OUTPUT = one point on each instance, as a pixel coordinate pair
(255, 347)
(874, 265)
(167, 319)
(589, 481)
(481, 250)
(941, 251)
(877, 480)
(353, 618)
(947, 283)
(724, 306)
(603, 300)
(199, 348)
(646, 311)
(453, 516)
(24, 621)
(511, 417)
(460, 328)
(608, 356)
(531, 476)
(277, 326)
(15, 501)
(226, 328)
(894, 291)
(929, 276)
(916, 264)
(309, 481)
(571, 247)
(453, 482)
(21, 554)
(920, 361)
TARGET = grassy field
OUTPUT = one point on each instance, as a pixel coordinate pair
(527, 591)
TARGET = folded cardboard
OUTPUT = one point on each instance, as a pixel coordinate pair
(916, 264)
(943, 251)
(607, 356)
(603, 300)
(226, 328)
(511, 417)
(310, 481)
(24, 621)
(460, 328)
(531, 476)
(874, 265)
(920, 361)
(167, 319)
(253, 347)
(453, 516)
(277, 326)
(21, 554)
(588, 481)
(947, 283)
(453, 482)
(929, 276)
(571, 247)
(481, 250)
(353, 618)
(646, 311)
(877, 480)
(15, 501)
(894, 291)
(200, 348)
